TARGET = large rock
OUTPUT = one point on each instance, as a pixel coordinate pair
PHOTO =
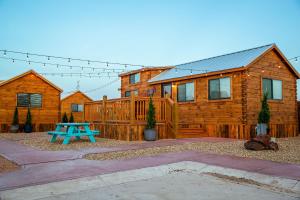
(261, 142)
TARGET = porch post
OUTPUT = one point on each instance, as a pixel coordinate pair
(104, 114)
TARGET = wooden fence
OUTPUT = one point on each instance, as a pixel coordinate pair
(125, 118)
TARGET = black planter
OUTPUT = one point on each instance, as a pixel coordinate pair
(28, 128)
(14, 128)
(150, 134)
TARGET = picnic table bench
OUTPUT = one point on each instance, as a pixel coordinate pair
(73, 130)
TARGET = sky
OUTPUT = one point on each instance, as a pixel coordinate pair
(147, 33)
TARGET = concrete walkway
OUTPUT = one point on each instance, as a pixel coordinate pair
(40, 167)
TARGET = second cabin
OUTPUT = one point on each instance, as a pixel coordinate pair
(74, 103)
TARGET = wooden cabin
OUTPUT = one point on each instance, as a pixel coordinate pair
(221, 96)
(30, 89)
(136, 82)
(74, 103)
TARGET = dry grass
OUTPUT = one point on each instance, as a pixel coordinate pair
(289, 151)
(41, 140)
(7, 166)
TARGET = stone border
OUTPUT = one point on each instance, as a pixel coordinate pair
(64, 187)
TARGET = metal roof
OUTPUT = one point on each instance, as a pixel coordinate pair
(213, 64)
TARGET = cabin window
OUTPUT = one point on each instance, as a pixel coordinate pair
(76, 107)
(219, 88)
(273, 88)
(29, 100)
(134, 78)
(185, 92)
(166, 89)
(127, 93)
(135, 92)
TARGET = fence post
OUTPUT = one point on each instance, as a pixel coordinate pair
(132, 117)
(104, 114)
(175, 118)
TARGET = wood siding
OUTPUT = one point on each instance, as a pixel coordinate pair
(284, 114)
(76, 98)
(43, 118)
(141, 86)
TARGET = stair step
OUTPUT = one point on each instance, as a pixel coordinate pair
(191, 133)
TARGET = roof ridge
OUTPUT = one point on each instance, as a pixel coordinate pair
(271, 44)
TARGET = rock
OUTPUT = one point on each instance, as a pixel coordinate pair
(261, 142)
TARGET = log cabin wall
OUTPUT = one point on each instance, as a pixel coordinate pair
(142, 86)
(204, 117)
(76, 98)
(44, 118)
(284, 113)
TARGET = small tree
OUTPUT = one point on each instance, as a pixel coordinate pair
(151, 115)
(28, 118)
(16, 117)
(264, 114)
(65, 118)
(71, 118)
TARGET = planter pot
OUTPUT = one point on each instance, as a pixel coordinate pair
(150, 134)
(14, 128)
(261, 129)
(27, 128)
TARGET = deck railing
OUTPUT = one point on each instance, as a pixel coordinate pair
(125, 118)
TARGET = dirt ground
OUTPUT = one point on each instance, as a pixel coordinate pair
(289, 151)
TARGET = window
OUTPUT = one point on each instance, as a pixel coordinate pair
(166, 89)
(219, 88)
(127, 93)
(273, 88)
(185, 92)
(76, 107)
(135, 92)
(134, 78)
(29, 100)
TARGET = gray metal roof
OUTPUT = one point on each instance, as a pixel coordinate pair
(218, 63)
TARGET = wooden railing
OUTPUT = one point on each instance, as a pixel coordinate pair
(125, 118)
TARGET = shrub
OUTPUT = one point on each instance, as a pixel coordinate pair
(16, 117)
(65, 118)
(264, 114)
(151, 115)
(28, 118)
(71, 118)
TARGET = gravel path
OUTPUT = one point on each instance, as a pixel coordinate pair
(289, 151)
(7, 166)
(41, 140)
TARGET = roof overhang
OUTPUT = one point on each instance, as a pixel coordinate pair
(144, 69)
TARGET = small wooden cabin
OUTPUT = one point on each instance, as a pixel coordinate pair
(136, 82)
(74, 103)
(220, 96)
(30, 89)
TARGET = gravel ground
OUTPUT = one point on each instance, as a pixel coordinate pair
(289, 151)
(41, 140)
(7, 166)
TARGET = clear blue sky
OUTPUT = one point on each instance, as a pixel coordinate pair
(153, 32)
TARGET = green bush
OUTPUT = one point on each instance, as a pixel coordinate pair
(71, 118)
(264, 114)
(151, 115)
(65, 118)
(16, 117)
(28, 118)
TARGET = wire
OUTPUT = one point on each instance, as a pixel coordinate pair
(69, 59)
(62, 65)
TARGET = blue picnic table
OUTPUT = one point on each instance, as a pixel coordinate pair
(73, 130)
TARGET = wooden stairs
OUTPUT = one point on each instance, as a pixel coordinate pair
(191, 133)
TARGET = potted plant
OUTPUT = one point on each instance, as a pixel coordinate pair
(28, 124)
(150, 132)
(263, 117)
(65, 118)
(14, 128)
(71, 118)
